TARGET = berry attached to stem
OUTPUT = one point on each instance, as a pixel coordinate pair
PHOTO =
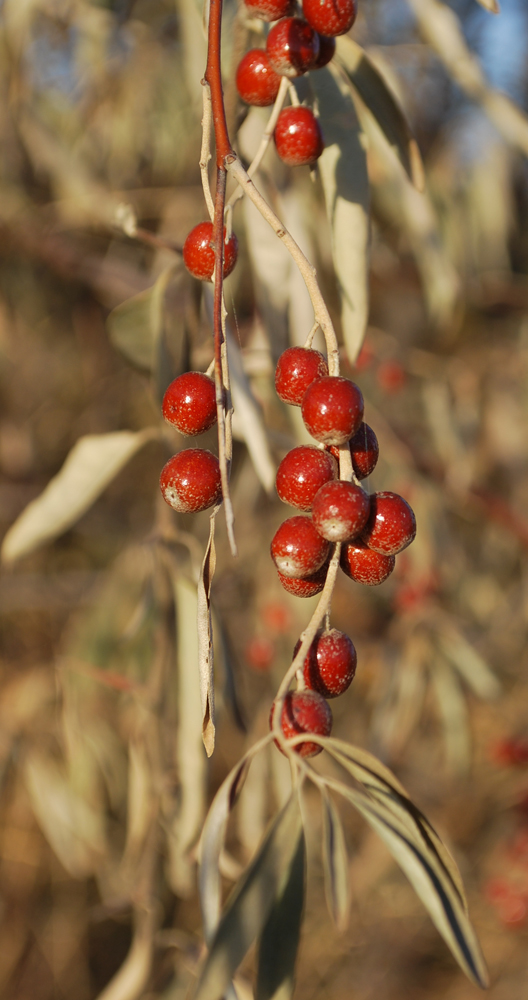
(327, 48)
(305, 712)
(364, 449)
(301, 474)
(332, 409)
(391, 526)
(298, 137)
(257, 83)
(199, 255)
(308, 586)
(340, 511)
(269, 10)
(292, 46)
(190, 403)
(330, 665)
(330, 17)
(190, 481)
(364, 565)
(297, 549)
(296, 369)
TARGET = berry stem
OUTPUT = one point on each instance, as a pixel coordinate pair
(265, 141)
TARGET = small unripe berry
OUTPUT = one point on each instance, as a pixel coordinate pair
(391, 526)
(298, 137)
(330, 17)
(301, 474)
(199, 255)
(364, 565)
(257, 83)
(190, 403)
(340, 511)
(269, 10)
(305, 712)
(292, 46)
(309, 586)
(364, 449)
(330, 664)
(327, 48)
(190, 481)
(296, 369)
(332, 409)
(297, 548)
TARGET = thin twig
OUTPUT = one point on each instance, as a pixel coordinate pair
(264, 143)
(205, 153)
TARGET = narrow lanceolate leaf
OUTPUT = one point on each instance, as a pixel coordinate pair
(343, 170)
(470, 665)
(135, 325)
(335, 864)
(436, 892)
(247, 418)
(382, 104)
(453, 712)
(252, 900)
(205, 640)
(91, 465)
(280, 938)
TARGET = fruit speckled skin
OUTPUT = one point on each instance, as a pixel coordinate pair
(327, 48)
(330, 664)
(296, 369)
(292, 46)
(308, 586)
(340, 511)
(198, 252)
(269, 10)
(364, 449)
(298, 137)
(332, 409)
(305, 712)
(330, 17)
(365, 566)
(301, 474)
(190, 481)
(297, 548)
(190, 403)
(391, 526)
(257, 83)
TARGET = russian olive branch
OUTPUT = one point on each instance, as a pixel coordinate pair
(264, 143)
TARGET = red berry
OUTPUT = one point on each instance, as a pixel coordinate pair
(292, 46)
(340, 511)
(198, 252)
(308, 586)
(330, 17)
(511, 752)
(332, 409)
(190, 481)
(190, 403)
(365, 566)
(296, 369)
(364, 449)
(391, 526)
(276, 617)
(297, 548)
(301, 474)
(330, 664)
(269, 10)
(256, 82)
(326, 51)
(391, 376)
(305, 712)
(298, 137)
(259, 653)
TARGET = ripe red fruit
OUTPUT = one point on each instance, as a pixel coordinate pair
(512, 751)
(305, 712)
(292, 46)
(256, 82)
(259, 653)
(308, 586)
(269, 10)
(190, 481)
(301, 474)
(198, 252)
(297, 549)
(391, 526)
(340, 510)
(332, 409)
(391, 376)
(190, 403)
(330, 664)
(364, 449)
(326, 51)
(330, 17)
(296, 369)
(298, 137)
(365, 566)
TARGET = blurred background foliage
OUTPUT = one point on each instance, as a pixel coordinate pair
(104, 780)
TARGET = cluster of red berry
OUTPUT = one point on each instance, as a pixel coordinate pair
(373, 528)
(190, 481)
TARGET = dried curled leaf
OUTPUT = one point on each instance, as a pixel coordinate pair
(89, 468)
(382, 104)
(343, 170)
(205, 640)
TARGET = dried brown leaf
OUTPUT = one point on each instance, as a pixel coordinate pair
(205, 640)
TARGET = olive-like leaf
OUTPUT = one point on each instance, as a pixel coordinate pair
(382, 104)
(135, 327)
(279, 942)
(89, 468)
(453, 713)
(251, 902)
(343, 170)
(335, 864)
